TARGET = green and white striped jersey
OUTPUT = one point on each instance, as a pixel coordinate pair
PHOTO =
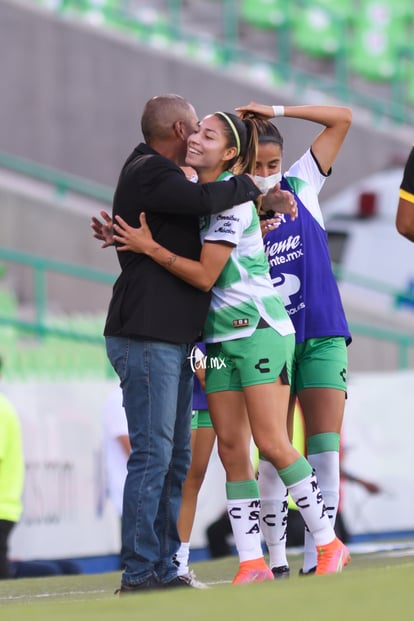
(243, 293)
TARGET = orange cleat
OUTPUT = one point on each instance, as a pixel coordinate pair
(253, 571)
(332, 558)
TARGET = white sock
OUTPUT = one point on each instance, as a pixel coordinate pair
(326, 466)
(273, 512)
(244, 519)
(182, 557)
(309, 501)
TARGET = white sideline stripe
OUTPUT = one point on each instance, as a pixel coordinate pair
(55, 594)
(11, 598)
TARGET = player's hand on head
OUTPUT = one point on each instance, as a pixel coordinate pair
(258, 110)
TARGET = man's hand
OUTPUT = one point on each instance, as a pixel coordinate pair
(281, 201)
(103, 230)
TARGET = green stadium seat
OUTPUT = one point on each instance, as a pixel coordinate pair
(319, 27)
(380, 32)
(106, 13)
(267, 14)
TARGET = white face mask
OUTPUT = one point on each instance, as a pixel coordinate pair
(265, 183)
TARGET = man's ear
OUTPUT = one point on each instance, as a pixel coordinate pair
(179, 130)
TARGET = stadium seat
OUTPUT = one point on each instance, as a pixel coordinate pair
(267, 14)
(106, 13)
(319, 27)
(379, 34)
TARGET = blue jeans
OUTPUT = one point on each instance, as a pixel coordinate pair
(157, 385)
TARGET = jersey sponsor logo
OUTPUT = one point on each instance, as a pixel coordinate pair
(225, 224)
(225, 229)
(291, 243)
(284, 251)
(296, 309)
(259, 366)
(291, 256)
(231, 217)
(286, 285)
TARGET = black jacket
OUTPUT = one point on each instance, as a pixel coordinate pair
(148, 301)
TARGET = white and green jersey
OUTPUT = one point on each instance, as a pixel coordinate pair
(243, 293)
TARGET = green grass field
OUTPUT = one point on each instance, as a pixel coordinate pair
(376, 585)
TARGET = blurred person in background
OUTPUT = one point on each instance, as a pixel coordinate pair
(11, 490)
(405, 210)
(11, 478)
(116, 447)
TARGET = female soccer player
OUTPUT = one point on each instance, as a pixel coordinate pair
(300, 269)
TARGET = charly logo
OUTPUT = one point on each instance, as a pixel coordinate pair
(199, 361)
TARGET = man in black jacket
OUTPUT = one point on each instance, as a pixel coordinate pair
(153, 321)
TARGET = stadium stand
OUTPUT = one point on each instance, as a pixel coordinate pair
(41, 344)
(365, 40)
(71, 345)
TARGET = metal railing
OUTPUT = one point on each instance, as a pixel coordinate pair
(41, 266)
(62, 182)
(41, 328)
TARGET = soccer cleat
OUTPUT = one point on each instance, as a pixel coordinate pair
(332, 558)
(310, 572)
(281, 572)
(253, 571)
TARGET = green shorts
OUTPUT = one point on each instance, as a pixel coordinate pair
(320, 363)
(257, 359)
(199, 419)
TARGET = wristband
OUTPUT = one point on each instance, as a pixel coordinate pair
(278, 110)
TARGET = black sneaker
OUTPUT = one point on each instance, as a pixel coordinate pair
(148, 585)
(310, 572)
(281, 572)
